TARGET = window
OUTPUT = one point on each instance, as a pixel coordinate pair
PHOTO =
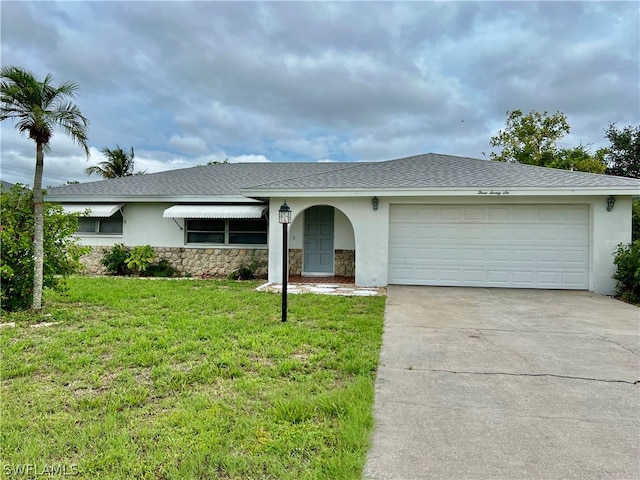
(227, 232)
(205, 231)
(101, 225)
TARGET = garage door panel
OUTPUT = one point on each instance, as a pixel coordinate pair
(532, 246)
(550, 215)
(524, 256)
(450, 275)
(429, 274)
(402, 231)
(574, 234)
(549, 278)
(474, 214)
(451, 255)
(474, 232)
(449, 232)
(523, 278)
(498, 214)
(549, 234)
(420, 232)
(474, 275)
(573, 278)
(474, 255)
(404, 212)
(495, 255)
(576, 214)
(576, 258)
(549, 256)
(451, 213)
(499, 278)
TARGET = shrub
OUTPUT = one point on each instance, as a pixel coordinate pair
(140, 258)
(635, 220)
(161, 269)
(61, 252)
(116, 260)
(627, 261)
(247, 270)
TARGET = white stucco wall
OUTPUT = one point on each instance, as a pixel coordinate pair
(143, 225)
(608, 229)
(371, 231)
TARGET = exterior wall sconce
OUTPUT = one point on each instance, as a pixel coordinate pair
(375, 201)
(611, 201)
(284, 217)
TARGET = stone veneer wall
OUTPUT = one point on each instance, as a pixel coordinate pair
(344, 262)
(220, 262)
(217, 262)
(295, 261)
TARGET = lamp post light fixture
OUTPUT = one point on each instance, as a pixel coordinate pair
(284, 217)
(611, 201)
(375, 201)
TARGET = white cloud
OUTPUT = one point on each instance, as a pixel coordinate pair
(248, 159)
(185, 83)
(188, 144)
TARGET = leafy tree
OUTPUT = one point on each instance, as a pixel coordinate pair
(38, 107)
(623, 156)
(217, 162)
(118, 164)
(635, 220)
(530, 138)
(579, 159)
(61, 253)
(627, 261)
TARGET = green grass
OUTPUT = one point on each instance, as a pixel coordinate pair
(189, 379)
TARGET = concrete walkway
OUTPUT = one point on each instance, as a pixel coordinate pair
(479, 383)
(341, 289)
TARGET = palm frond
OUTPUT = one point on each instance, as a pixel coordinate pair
(38, 107)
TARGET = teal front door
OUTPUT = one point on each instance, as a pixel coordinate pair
(318, 241)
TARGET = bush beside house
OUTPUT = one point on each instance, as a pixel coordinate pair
(627, 261)
(61, 252)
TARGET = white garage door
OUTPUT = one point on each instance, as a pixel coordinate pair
(526, 246)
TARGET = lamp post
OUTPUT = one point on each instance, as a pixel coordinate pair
(284, 218)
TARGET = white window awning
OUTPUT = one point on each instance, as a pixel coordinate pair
(95, 210)
(214, 211)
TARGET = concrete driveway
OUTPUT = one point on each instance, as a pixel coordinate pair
(481, 383)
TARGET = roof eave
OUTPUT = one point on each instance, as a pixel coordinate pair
(453, 191)
(150, 199)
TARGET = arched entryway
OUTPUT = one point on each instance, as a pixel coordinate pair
(322, 244)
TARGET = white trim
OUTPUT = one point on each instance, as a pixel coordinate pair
(53, 198)
(95, 210)
(440, 192)
(214, 211)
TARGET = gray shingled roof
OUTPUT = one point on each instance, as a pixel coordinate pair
(429, 171)
(444, 171)
(219, 180)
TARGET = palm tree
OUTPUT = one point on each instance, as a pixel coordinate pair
(118, 164)
(37, 107)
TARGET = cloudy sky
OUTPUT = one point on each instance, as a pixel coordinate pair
(185, 83)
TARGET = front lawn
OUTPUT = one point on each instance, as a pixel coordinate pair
(189, 379)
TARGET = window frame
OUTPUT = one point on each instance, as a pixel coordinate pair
(228, 232)
(97, 223)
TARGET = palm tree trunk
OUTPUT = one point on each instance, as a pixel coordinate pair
(38, 233)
